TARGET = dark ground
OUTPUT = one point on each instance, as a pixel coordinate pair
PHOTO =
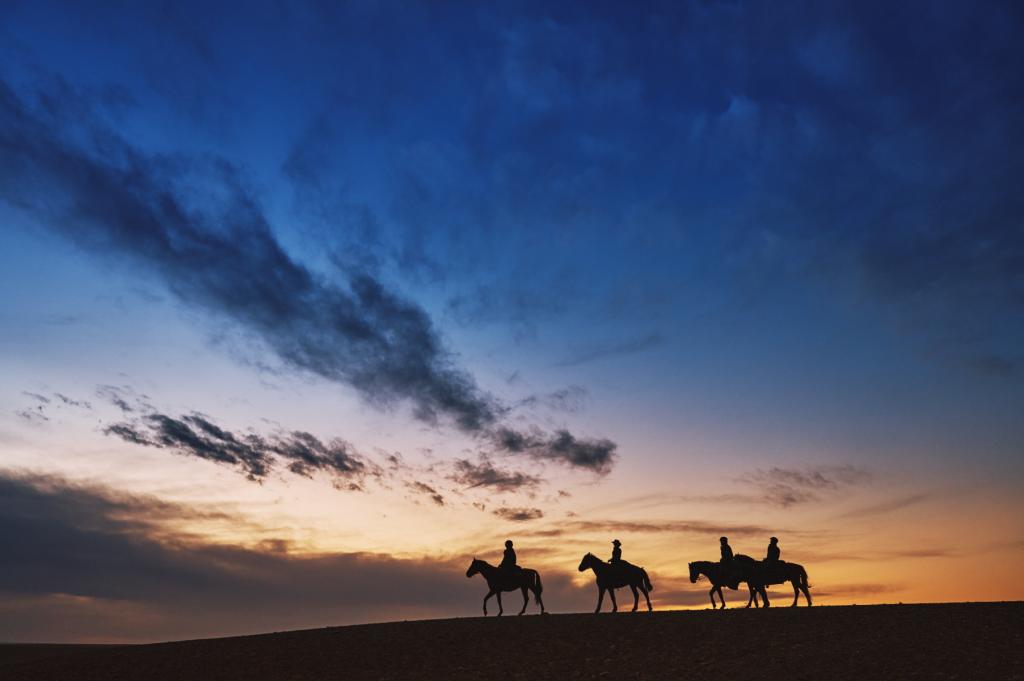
(942, 641)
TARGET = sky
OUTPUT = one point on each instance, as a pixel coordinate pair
(306, 305)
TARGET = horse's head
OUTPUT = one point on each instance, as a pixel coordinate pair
(587, 562)
(694, 573)
(474, 567)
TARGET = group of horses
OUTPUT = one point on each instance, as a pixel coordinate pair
(757, 575)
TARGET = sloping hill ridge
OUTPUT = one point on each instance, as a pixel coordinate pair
(940, 641)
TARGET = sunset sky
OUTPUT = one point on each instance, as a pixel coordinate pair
(305, 306)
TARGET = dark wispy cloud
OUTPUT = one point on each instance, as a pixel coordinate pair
(569, 399)
(788, 487)
(700, 527)
(254, 455)
(518, 515)
(854, 590)
(124, 398)
(485, 474)
(84, 562)
(216, 250)
(597, 455)
(111, 198)
(39, 411)
(627, 347)
(889, 506)
(70, 402)
(425, 489)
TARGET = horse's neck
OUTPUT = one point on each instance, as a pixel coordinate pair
(597, 565)
(707, 567)
(486, 569)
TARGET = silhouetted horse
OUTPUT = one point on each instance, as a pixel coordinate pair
(743, 569)
(783, 572)
(612, 577)
(756, 575)
(499, 580)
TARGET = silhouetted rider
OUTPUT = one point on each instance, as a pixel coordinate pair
(508, 561)
(616, 552)
(729, 567)
(726, 550)
(772, 557)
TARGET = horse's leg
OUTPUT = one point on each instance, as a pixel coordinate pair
(711, 593)
(796, 592)
(636, 597)
(752, 592)
(647, 597)
(526, 600)
(615, 606)
(489, 594)
(807, 594)
(501, 610)
(721, 596)
(764, 596)
(600, 598)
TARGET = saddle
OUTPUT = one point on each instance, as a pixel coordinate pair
(774, 569)
(623, 568)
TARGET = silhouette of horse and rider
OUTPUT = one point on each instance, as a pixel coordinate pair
(731, 570)
(508, 576)
(616, 573)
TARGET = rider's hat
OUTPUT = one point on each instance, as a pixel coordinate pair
(723, 539)
(508, 542)
(616, 542)
(775, 539)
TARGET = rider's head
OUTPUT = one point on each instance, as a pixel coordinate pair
(775, 540)
(616, 542)
(724, 540)
(508, 543)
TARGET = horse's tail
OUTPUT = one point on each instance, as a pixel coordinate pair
(647, 580)
(538, 587)
(803, 577)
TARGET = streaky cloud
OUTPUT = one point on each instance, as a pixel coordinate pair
(135, 577)
(518, 515)
(596, 455)
(254, 455)
(627, 347)
(485, 474)
(216, 250)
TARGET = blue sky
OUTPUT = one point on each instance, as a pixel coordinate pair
(617, 249)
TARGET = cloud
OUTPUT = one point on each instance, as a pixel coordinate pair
(699, 527)
(596, 455)
(254, 455)
(83, 404)
(853, 590)
(485, 474)
(786, 487)
(628, 347)
(124, 398)
(221, 255)
(422, 488)
(886, 507)
(518, 515)
(569, 399)
(196, 225)
(83, 562)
